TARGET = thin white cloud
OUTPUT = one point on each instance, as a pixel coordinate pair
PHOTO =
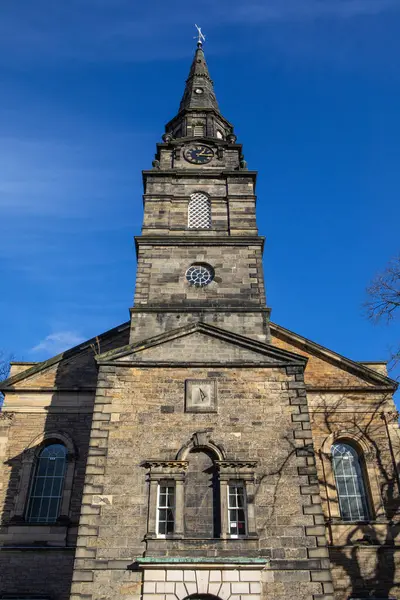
(110, 30)
(57, 342)
(258, 11)
(53, 177)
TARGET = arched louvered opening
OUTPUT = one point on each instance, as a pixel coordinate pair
(199, 213)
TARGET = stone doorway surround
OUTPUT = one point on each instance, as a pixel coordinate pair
(225, 578)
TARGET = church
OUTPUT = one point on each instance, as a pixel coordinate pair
(199, 451)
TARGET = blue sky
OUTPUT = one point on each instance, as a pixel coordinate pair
(312, 87)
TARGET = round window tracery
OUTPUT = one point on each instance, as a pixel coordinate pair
(200, 275)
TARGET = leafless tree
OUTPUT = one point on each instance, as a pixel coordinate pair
(383, 304)
(4, 368)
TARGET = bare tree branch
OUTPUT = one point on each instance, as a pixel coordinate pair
(384, 293)
(384, 300)
(4, 368)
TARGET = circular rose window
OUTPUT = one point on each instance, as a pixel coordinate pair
(200, 275)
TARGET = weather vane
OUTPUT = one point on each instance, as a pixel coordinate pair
(200, 37)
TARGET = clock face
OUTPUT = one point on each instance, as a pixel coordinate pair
(198, 154)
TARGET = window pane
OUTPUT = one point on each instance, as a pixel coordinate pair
(44, 510)
(349, 483)
(35, 509)
(236, 510)
(47, 485)
(345, 509)
(165, 509)
(341, 485)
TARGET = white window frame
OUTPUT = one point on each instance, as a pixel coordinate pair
(241, 485)
(352, 483)
(165, 484)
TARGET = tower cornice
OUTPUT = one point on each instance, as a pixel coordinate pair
(199, 240)
(200, 172)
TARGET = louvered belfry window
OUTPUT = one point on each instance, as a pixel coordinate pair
(199, 214)
(198, 130)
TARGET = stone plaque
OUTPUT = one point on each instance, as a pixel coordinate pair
(201, 395)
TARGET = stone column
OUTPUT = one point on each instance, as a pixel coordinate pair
(179, 506)
(224, 509)
(152, 516)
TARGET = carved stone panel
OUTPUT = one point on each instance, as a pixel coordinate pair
(201, 395)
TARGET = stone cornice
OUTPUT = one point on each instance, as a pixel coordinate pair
(154, 463)
(236, 464)
(210, 173)
(200, 240)
(165, 308)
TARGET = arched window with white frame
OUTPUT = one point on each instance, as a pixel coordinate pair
(199, 211)
(350, 484)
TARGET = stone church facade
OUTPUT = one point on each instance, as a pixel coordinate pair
(199, 450)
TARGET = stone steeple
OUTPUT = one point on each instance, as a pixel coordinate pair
(199, 114)
(199, 253)
(199, 89)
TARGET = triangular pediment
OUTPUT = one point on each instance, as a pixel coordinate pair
(199, 344)
(328, 370)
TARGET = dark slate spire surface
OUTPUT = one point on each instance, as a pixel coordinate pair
(199, 90)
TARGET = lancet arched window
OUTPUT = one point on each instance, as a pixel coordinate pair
(199, 213)
(350, 484)
(47, 484)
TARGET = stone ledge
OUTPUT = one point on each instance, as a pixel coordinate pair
(153, 562)
(296, 565)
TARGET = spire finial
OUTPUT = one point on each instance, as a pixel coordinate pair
(200, 37)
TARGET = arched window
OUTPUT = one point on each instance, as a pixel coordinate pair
(349, 483)
(199, 213)
(47, 484)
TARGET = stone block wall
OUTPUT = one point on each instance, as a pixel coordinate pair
(166, 202)
(37, 559)
(18, 431)
(262, 415)
(149, 322)
(38, 572)
(161, 275)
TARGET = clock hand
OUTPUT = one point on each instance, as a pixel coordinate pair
(205, 152)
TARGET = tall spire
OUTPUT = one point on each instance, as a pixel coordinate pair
(199, 90)
(199, 114)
